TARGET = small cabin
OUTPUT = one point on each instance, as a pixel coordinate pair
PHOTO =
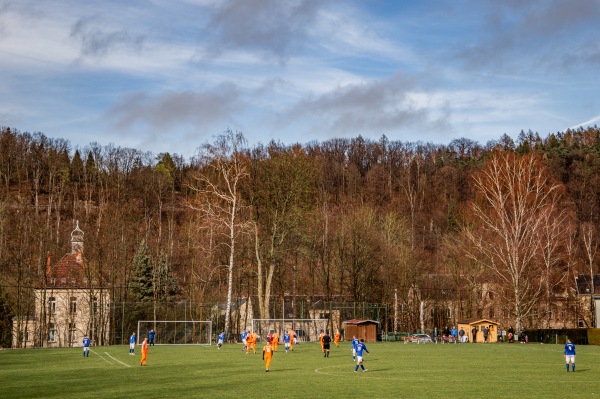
(479, 325)
(362, 329)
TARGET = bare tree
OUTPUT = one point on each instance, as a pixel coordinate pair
(513, 193)
(218, 186)
(554, 233)
(591, 247)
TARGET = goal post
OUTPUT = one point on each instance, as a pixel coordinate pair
(176, 332)
(305, 330)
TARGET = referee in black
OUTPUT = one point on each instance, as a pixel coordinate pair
(326, 344)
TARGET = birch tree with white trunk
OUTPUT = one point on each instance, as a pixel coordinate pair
(512, 195)
(217, 185)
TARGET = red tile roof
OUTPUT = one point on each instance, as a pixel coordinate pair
(67, 273)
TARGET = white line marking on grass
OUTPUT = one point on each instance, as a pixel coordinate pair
(117, 360)
(100, 356)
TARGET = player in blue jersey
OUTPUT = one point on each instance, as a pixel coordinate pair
(151, 334)
(355, 342)
(86, 346)
(286, 340)
(570, 355)
(132, 344)
(220, 340)
(360, 348)
(244, 338)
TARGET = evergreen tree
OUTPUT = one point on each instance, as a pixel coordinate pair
(6, 316)
(165, 285)
(141, 281)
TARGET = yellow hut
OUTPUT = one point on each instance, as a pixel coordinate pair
(479, 326)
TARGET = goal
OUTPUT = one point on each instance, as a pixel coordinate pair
(305, 330)
(176, 332)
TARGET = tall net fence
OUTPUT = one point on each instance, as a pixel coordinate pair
(176, 332)
(124, 316)
(305, 330)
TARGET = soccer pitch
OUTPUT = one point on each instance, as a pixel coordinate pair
(395, 370)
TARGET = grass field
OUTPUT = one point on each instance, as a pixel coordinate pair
(395, 370)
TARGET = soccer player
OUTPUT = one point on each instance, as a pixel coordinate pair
(286, 341)
(275, 341)
(292, 340)
(151, 337)
(321, 341)
(268, 354)
(244, 337)
(86, 346)
(336, 338)
(221, 339)
(570, 355)
(326, 344)
(360, 348)
(132, 344)
(355, 342)
(144, 352)
(251, 342)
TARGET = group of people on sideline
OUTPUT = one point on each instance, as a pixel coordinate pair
(481, 334)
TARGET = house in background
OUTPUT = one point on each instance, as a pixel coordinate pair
(69, 305)
(588, 295)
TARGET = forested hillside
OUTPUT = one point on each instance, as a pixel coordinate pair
(342, 220)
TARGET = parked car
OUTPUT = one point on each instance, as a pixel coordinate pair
(418, 338)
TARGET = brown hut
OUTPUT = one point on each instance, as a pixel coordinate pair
(362, 329)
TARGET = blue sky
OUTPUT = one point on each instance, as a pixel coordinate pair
(168, 75)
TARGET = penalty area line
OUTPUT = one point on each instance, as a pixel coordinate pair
(117, 360)
(100, 356)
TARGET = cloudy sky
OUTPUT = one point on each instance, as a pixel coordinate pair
(168, 75)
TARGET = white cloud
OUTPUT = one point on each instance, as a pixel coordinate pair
(594, 121)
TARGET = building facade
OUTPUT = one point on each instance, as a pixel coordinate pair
(70, 304)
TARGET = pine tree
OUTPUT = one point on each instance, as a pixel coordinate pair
(141, 281)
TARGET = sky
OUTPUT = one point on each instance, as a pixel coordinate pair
(170, 75)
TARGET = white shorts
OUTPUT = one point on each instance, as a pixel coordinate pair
(245, 341)
(570, 358)
(220, 342)
(287, 344)
(131, 346)
(353, 352)
(359, 359)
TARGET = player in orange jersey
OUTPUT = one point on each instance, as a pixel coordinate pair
(292, 340)
(251, 342)
(321, 340)
(144, 352)
(275, 341)
(268, 354)
(336, 338)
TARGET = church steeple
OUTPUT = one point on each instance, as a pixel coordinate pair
(77, 242)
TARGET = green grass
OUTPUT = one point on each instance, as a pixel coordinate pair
(396, 370)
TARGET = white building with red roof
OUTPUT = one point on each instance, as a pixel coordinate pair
(70, 304)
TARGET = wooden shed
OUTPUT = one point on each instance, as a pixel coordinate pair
(479, 325)
(362, 329)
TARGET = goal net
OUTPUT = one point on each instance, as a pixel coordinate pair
(305, 330)
(197, 332)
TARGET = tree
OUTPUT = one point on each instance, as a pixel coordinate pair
(280, 192)
(218, 187)
(141, 284)
(554, 233)
(590, 246)
(512, 195)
